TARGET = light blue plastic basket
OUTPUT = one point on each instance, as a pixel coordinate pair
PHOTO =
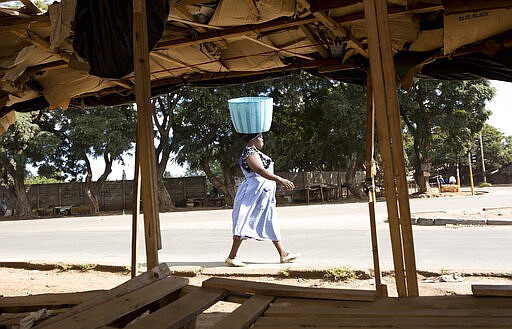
(251, 114)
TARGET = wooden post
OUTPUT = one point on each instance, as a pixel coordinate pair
(371, 171)
(135, 211)
(145, 131)
(388, 121)
(398, 154)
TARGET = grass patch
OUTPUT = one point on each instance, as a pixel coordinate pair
(86, 267)
(344, 273)
(64, 267)
(285, 272)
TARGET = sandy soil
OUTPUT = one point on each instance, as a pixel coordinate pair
(21, 282)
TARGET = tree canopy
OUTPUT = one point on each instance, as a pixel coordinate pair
(442, 117)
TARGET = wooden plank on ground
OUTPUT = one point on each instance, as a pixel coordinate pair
(17, 304)
(245, 315)
(284, 310)
(182, 311)
(422, 302)
(389, 322)
(280, 290)
(502, 290)
(105, 313)
(157, 273)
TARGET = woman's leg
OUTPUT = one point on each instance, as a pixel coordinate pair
(280, 248)
(235, 246)
(285, 256)
(237, 241)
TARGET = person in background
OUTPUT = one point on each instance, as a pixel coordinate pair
(254, 209)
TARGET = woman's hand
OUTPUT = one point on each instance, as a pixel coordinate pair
(288, 184)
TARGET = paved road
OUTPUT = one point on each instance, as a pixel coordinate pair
(328, 235)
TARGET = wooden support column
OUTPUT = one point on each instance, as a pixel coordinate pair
(389, 132)
(371, 171)
(145, 143)
(135, 211)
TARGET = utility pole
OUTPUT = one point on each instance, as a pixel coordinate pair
(483, 160)
(471, 175)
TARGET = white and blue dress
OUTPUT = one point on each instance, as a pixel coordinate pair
(254, 209)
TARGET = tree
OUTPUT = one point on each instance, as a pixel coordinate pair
(163, 109)
(323, 122)
(106, 132)
(23, 143)
(452, 111)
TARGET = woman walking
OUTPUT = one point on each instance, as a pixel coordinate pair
(254, 209)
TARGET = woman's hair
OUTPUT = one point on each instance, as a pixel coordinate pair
(248, 137)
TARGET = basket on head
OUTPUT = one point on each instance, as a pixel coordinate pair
(251, 114)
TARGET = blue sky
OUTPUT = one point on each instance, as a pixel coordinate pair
(501, 107)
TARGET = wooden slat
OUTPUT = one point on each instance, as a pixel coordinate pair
(423, 302)
(182, 311)
(146, 278)
(388, 322)
(105, 313)
(32, 303)
(492, 290)
(310, 311)
(246, 314)
(279, 290)
(376, 327)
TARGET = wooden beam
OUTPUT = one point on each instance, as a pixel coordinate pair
(135, 211)
(245, 315)
(33, 303)
(321, 50)
(280, 290)
(29, 5)
(111, 310)
(145, 131)
(279, 50)
(489, 290)
(381, 98)
(147, 278)
(400, 175)
(182, 312)
(174, 61)
(371, 171)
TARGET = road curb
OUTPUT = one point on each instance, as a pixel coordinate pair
(428, 221)
(304, 272)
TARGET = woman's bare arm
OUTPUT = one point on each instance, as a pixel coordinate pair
(256, 165)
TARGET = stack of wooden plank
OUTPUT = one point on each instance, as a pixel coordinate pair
(157, 300)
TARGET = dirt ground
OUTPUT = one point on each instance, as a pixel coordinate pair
(21, 282)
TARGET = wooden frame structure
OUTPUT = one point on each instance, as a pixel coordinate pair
(339, 39)
(383, 98)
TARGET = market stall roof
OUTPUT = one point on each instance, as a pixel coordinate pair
(77, 55)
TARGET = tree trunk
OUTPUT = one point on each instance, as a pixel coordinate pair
(93, 190)
(228, 188)
(92, 200)
(17, 173)
(165, 203)
(23, 208)
(422, 176)
(354, 187)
